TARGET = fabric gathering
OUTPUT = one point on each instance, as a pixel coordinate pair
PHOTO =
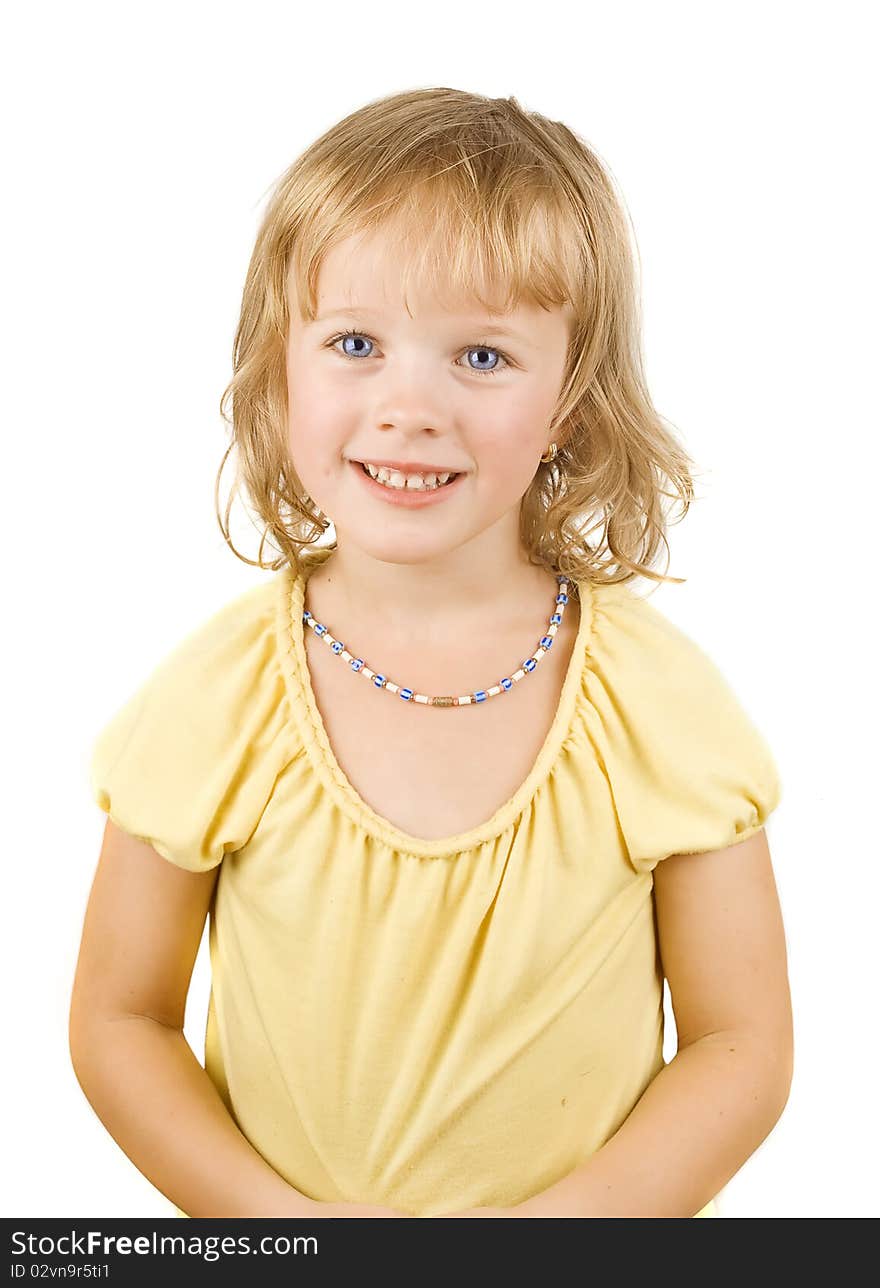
(446, 1024)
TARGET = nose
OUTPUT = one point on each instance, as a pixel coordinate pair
(408, 396)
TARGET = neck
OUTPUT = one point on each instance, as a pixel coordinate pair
(436, 603)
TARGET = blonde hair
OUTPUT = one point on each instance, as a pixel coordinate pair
(481, 194)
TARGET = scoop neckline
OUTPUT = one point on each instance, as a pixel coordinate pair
(310, 722)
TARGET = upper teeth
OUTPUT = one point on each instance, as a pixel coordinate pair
(393, 478)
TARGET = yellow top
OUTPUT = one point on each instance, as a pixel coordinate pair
(444, 1024)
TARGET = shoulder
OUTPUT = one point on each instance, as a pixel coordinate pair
(222, 672)
(619, 607)
(249, 618)
(637, 643)
(190, 758)
(689, 767)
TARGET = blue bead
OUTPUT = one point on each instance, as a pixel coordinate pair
(546, 641)
(562, 598)
(529, 664)
(337, 647)
(406, 694)
(378, 680)
(319, 629)
(556, 619)
(357, 663)
(506, 683)
(480, 695)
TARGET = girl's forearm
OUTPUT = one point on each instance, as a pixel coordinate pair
(700, 1119)
(157, 1102)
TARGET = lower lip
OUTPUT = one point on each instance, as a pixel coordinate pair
(408, 496)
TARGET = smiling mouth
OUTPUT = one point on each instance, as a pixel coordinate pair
(409, 498)
(429, 487)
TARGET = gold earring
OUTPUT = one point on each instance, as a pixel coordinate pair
(549, 455)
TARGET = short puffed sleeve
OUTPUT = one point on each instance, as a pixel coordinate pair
(189, 761)
(688, 769)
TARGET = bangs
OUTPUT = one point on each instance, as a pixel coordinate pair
(455, 243)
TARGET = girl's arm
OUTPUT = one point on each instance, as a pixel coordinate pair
(142, 931)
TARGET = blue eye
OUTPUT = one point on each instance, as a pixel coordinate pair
(483, 349)
(351, 335)
(479, 348)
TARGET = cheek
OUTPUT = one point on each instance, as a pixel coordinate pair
(511, 442)
(314, 405)
(318, 425)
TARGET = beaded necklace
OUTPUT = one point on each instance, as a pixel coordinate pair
(503, 686)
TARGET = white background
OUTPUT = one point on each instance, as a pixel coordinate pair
(140, 146)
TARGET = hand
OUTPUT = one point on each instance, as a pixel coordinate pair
(541, 1206)
(481, 1211)
(354, 1210)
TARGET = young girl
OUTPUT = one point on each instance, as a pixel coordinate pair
(456, 797)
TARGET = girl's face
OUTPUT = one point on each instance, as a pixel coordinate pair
(462, 391)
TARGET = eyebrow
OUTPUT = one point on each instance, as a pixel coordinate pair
(487, 328)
